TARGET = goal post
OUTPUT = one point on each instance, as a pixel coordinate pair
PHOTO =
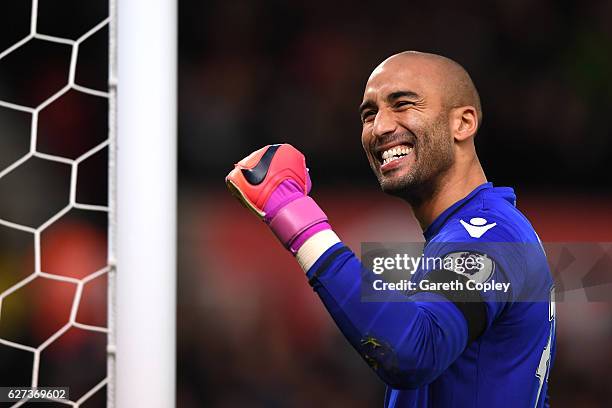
(142, 77)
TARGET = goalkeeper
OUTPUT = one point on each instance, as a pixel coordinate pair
(438, 347)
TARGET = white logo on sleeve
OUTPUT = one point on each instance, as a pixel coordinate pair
(477, 226)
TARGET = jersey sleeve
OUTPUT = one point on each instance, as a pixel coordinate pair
(409, 340)
(495, 265)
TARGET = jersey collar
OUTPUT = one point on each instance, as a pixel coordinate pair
(435, 226)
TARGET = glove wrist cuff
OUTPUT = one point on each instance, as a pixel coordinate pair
(294, 221)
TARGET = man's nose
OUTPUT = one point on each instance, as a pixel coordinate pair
(384, 123)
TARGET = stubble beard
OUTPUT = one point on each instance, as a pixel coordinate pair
(433, 157)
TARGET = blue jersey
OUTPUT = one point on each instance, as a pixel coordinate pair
(468, 346)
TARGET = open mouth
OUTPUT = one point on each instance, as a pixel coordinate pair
(394, 153)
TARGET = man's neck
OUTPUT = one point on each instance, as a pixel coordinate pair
(453, 186)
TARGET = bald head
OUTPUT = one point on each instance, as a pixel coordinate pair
(419, 113)
(449, 77)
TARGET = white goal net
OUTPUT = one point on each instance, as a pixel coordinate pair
(54, 211)
(87, 230)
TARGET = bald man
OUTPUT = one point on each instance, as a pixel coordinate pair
(475, 327)
(428, 104)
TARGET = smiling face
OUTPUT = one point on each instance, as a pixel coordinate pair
(406, 128)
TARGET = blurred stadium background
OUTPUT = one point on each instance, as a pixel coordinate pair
(251, 333)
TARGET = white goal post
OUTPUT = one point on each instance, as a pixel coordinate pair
(142, 252)
(142, 177)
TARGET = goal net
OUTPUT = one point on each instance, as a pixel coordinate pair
(54, 212)
(70, 314)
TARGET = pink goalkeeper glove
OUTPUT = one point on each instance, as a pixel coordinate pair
(274, 183)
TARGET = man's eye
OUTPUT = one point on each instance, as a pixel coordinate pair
(367, 116)
(401, 104)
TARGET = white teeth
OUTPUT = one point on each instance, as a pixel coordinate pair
(395, 153)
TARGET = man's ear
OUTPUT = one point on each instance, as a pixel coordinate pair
(464, 122)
